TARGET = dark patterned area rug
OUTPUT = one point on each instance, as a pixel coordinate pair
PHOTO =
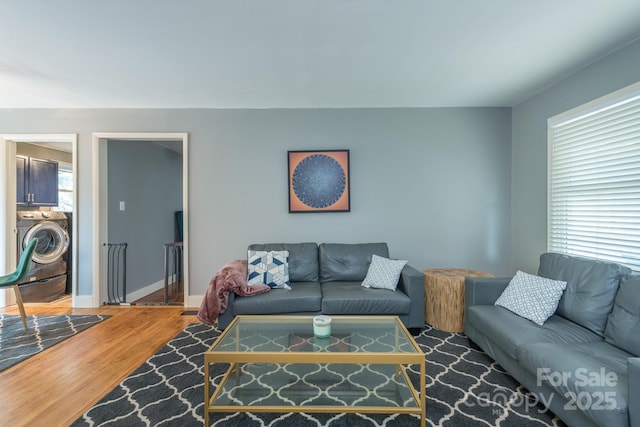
(464, 388)
(16, 344)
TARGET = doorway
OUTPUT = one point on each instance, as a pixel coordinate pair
(114, 219)
(8, 212)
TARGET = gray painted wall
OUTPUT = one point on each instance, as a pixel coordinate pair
(432, 183)
(148, 178)
(529, 177)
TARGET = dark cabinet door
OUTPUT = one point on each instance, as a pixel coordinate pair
(22, 195)
(37, 182)
(43, 182)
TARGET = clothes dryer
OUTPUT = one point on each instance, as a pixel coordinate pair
(47, 278)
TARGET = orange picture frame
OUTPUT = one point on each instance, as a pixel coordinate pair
(319, 181)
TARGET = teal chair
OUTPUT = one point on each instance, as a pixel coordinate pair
(17, 276)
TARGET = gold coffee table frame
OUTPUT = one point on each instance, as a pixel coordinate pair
(236, 357)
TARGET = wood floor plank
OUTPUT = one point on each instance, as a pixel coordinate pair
(56, 386)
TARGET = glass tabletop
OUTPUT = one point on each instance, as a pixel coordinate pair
(349, 334)
(317, 385)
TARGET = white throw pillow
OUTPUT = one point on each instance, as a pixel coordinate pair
(532, 297)
(268, 268)
(383, 273)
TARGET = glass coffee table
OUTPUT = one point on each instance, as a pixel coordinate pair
(277, 365)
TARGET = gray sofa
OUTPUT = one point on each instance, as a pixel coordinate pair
(583, 363)
(326, 279)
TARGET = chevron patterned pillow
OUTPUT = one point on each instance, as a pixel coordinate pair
(383, 273)
(532, 297)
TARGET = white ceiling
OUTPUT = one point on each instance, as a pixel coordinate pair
(299, 53)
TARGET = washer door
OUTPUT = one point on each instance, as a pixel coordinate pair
(53, 242)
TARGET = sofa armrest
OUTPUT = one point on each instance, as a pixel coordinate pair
(225, 318)
(633, 369)
(412, 284)
(483, 290)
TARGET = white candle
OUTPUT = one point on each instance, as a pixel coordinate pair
(322, 326)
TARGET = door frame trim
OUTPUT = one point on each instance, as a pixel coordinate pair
(100, 218)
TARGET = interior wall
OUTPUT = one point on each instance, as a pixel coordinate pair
(40, 152)
(148, 179)
(433, 183)
(529, 177)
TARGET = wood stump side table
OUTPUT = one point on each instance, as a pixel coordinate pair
(444, 297)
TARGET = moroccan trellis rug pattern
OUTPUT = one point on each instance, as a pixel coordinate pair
(16, 344)
(464, 388)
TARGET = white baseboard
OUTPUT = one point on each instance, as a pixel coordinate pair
(84, 301)
(89, 301)
(149, 289)
(193, 301)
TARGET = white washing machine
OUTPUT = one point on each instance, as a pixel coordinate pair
(47, 277)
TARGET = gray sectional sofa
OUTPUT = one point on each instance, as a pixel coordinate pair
(326, 279)
(583, 363)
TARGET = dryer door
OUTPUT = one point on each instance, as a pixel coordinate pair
(53, 242)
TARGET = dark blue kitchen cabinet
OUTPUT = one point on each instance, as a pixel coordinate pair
(36, 182)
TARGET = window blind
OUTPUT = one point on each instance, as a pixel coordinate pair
(594, 181)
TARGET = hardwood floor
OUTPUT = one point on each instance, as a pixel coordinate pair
(56, 386)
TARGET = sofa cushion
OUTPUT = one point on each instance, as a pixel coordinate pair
(591, 287)
(268, 268)
(383, 273)
(347, 262)
(591, 377)
(304, 297)
(623, 326)
(303, 259)
(509, 331)
(532, 297)
(352, 298)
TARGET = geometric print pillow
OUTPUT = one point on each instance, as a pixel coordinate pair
(269, 268)
(532, 297)
(383, 273)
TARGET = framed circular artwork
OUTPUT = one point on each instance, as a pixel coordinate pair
(319, 181)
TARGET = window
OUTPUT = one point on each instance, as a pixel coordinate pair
(65, 188)
(594, 180)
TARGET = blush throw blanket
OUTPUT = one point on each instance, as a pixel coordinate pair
(232, 277)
